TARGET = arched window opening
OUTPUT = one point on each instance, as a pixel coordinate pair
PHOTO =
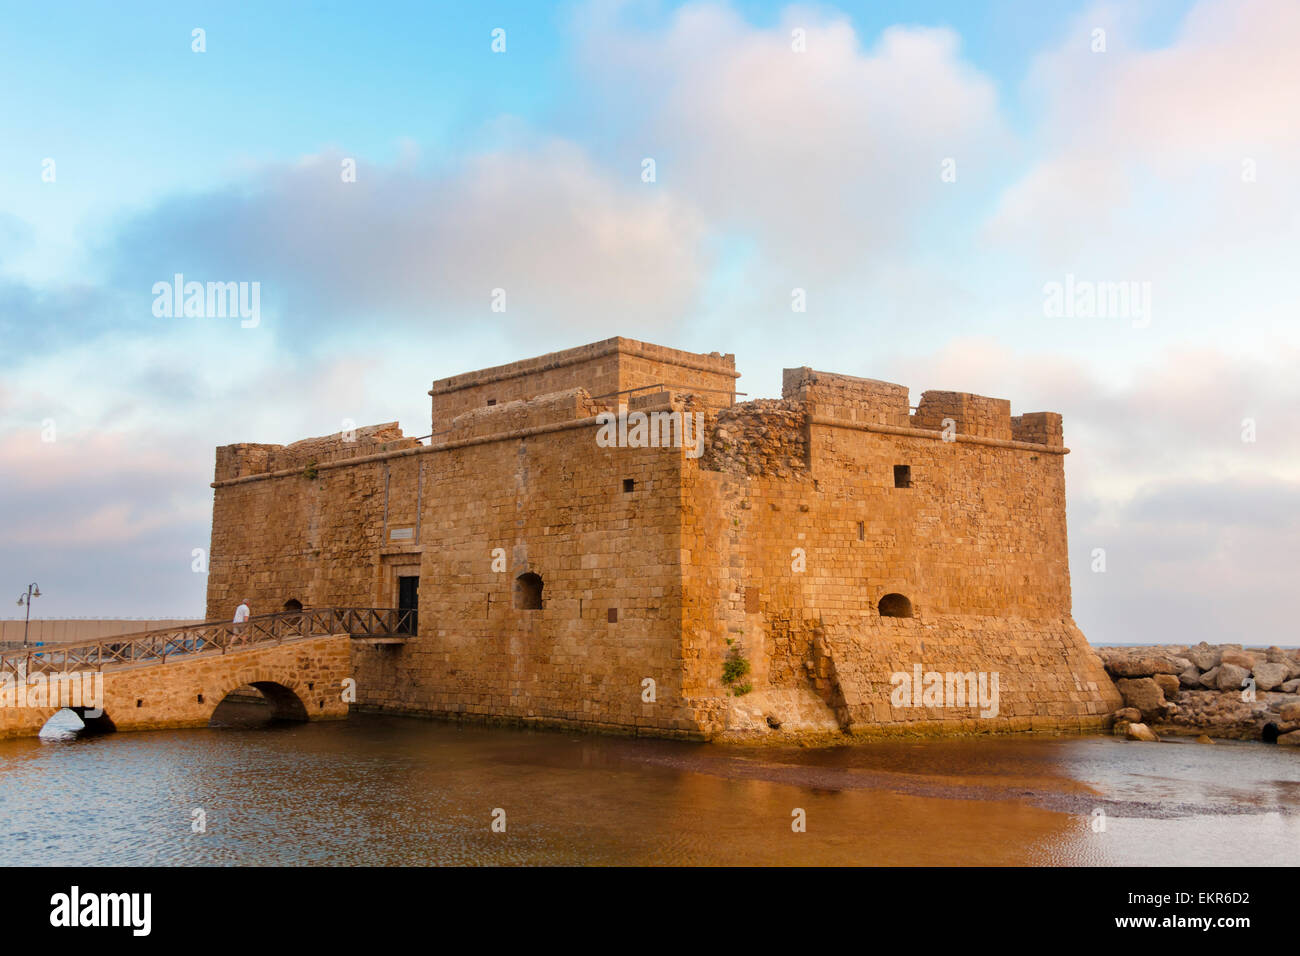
(528, 592)
(293, 604)
(894, 605)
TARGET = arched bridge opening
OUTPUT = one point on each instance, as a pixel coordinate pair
(76, 722)
(259, 704)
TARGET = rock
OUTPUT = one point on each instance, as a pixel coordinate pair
(1140, 666)
(1144, 694)
(1275, 655)
(1181, 663)
(1169, 684)
(1131, 714)
(1121, 728)
(1291, 687)
(1268, 676)
(1231, 676)
(773, 722)
(1210, 678)
(1190, 678)
(1202, 739)
(1289, 712)
(1244, 659)
(1143, 732)
(1203, 656)
(1290, 740)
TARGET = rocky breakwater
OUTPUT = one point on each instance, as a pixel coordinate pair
(1207, 690)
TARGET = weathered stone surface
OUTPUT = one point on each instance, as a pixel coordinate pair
(1203, 739)
(1268, 676)
(1204, 656)
(1231, 676)
(1210, 678)
(1243, 659)
(1169, 684)
(1190, 678)
(1144, 666)
(1142, 693)
(1291, 686)
(1290, 740)
(1141, 732)
(1131, 714)
(1290, 712)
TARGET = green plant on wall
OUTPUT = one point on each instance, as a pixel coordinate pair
(733, 669)
(310, 471)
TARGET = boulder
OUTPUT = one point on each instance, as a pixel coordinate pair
(1143, 732)
(1210, 678)
(1231, 676)
(1290, 740)
(1289, 712)
(1181, 663)
(1202, 739)
(1169, 684)
(1203, 656)
(1143, 666)
(1121, 728)
(1131, 714)
(1144, 694)
(1275, 655)
(1291, 687)
(1190, 678)
(1268, 676)
(1244, 659)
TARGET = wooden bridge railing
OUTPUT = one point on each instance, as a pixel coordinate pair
(162, 645)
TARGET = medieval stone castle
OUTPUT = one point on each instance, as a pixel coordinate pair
(758, 568)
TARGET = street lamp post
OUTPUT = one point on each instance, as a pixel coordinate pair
(33, 590)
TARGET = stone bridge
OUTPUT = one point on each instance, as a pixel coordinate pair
(177, 677)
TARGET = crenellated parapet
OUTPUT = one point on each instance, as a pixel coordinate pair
(846, 397)
(969, 414)
(247, 458)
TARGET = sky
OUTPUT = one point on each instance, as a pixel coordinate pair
(930, 176)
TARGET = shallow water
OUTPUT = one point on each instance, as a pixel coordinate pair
(391, 790)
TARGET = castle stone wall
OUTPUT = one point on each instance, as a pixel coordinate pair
(777, 546)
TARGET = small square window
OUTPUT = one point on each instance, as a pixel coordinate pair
(902, 476)
(613, 615)
(628, 485)
(492, 401)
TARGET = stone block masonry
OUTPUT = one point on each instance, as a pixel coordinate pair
(823, 543)
(302, 680)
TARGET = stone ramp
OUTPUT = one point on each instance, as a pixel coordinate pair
(1049, 678)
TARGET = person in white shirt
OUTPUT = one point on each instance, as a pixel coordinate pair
(241, 615)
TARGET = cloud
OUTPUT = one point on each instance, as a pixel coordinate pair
(1145, 150)
(572, 247)
(825, 156)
